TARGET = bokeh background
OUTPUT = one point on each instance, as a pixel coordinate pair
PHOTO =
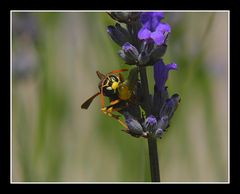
(54, 59)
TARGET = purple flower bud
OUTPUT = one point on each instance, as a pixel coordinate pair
(163, 122)
(150, 123)
(159, 133)
(170, 106)
(130, 50)
(129, 53)
(126, 58)
(125, 17)
(118, 34)
(159, 99)
(134, 126)
(161, 73)
(151, 19)
(157, 53)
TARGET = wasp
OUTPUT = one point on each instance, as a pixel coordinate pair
(119, 91)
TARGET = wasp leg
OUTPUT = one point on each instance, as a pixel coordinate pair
(144, 134)
(108, 112)
(114, 102)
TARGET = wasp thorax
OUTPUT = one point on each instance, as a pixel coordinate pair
(123, 92)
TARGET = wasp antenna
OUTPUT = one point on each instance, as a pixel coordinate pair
(100, 75)
(121, 77)
(102, 97)
(118, 71)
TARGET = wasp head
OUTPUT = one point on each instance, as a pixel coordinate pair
(109, 84)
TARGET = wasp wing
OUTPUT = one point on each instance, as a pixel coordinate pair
(132, 78)
(87, 103)
(100, 75)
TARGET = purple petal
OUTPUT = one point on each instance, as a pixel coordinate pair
(162, 31)
(161, 73)
(157, 37)
(144, 34)
(154, 23)
(148, 25)
(145, 17)
(163, 27)
(156, 19)
(171, 66)
(159, 15)
(148, 16)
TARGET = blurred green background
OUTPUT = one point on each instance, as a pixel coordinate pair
(54, 59)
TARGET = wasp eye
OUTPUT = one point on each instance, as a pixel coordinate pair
(109, 88)
(115, 78)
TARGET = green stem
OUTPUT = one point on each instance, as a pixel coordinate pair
(153, 156)
(152, 143)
